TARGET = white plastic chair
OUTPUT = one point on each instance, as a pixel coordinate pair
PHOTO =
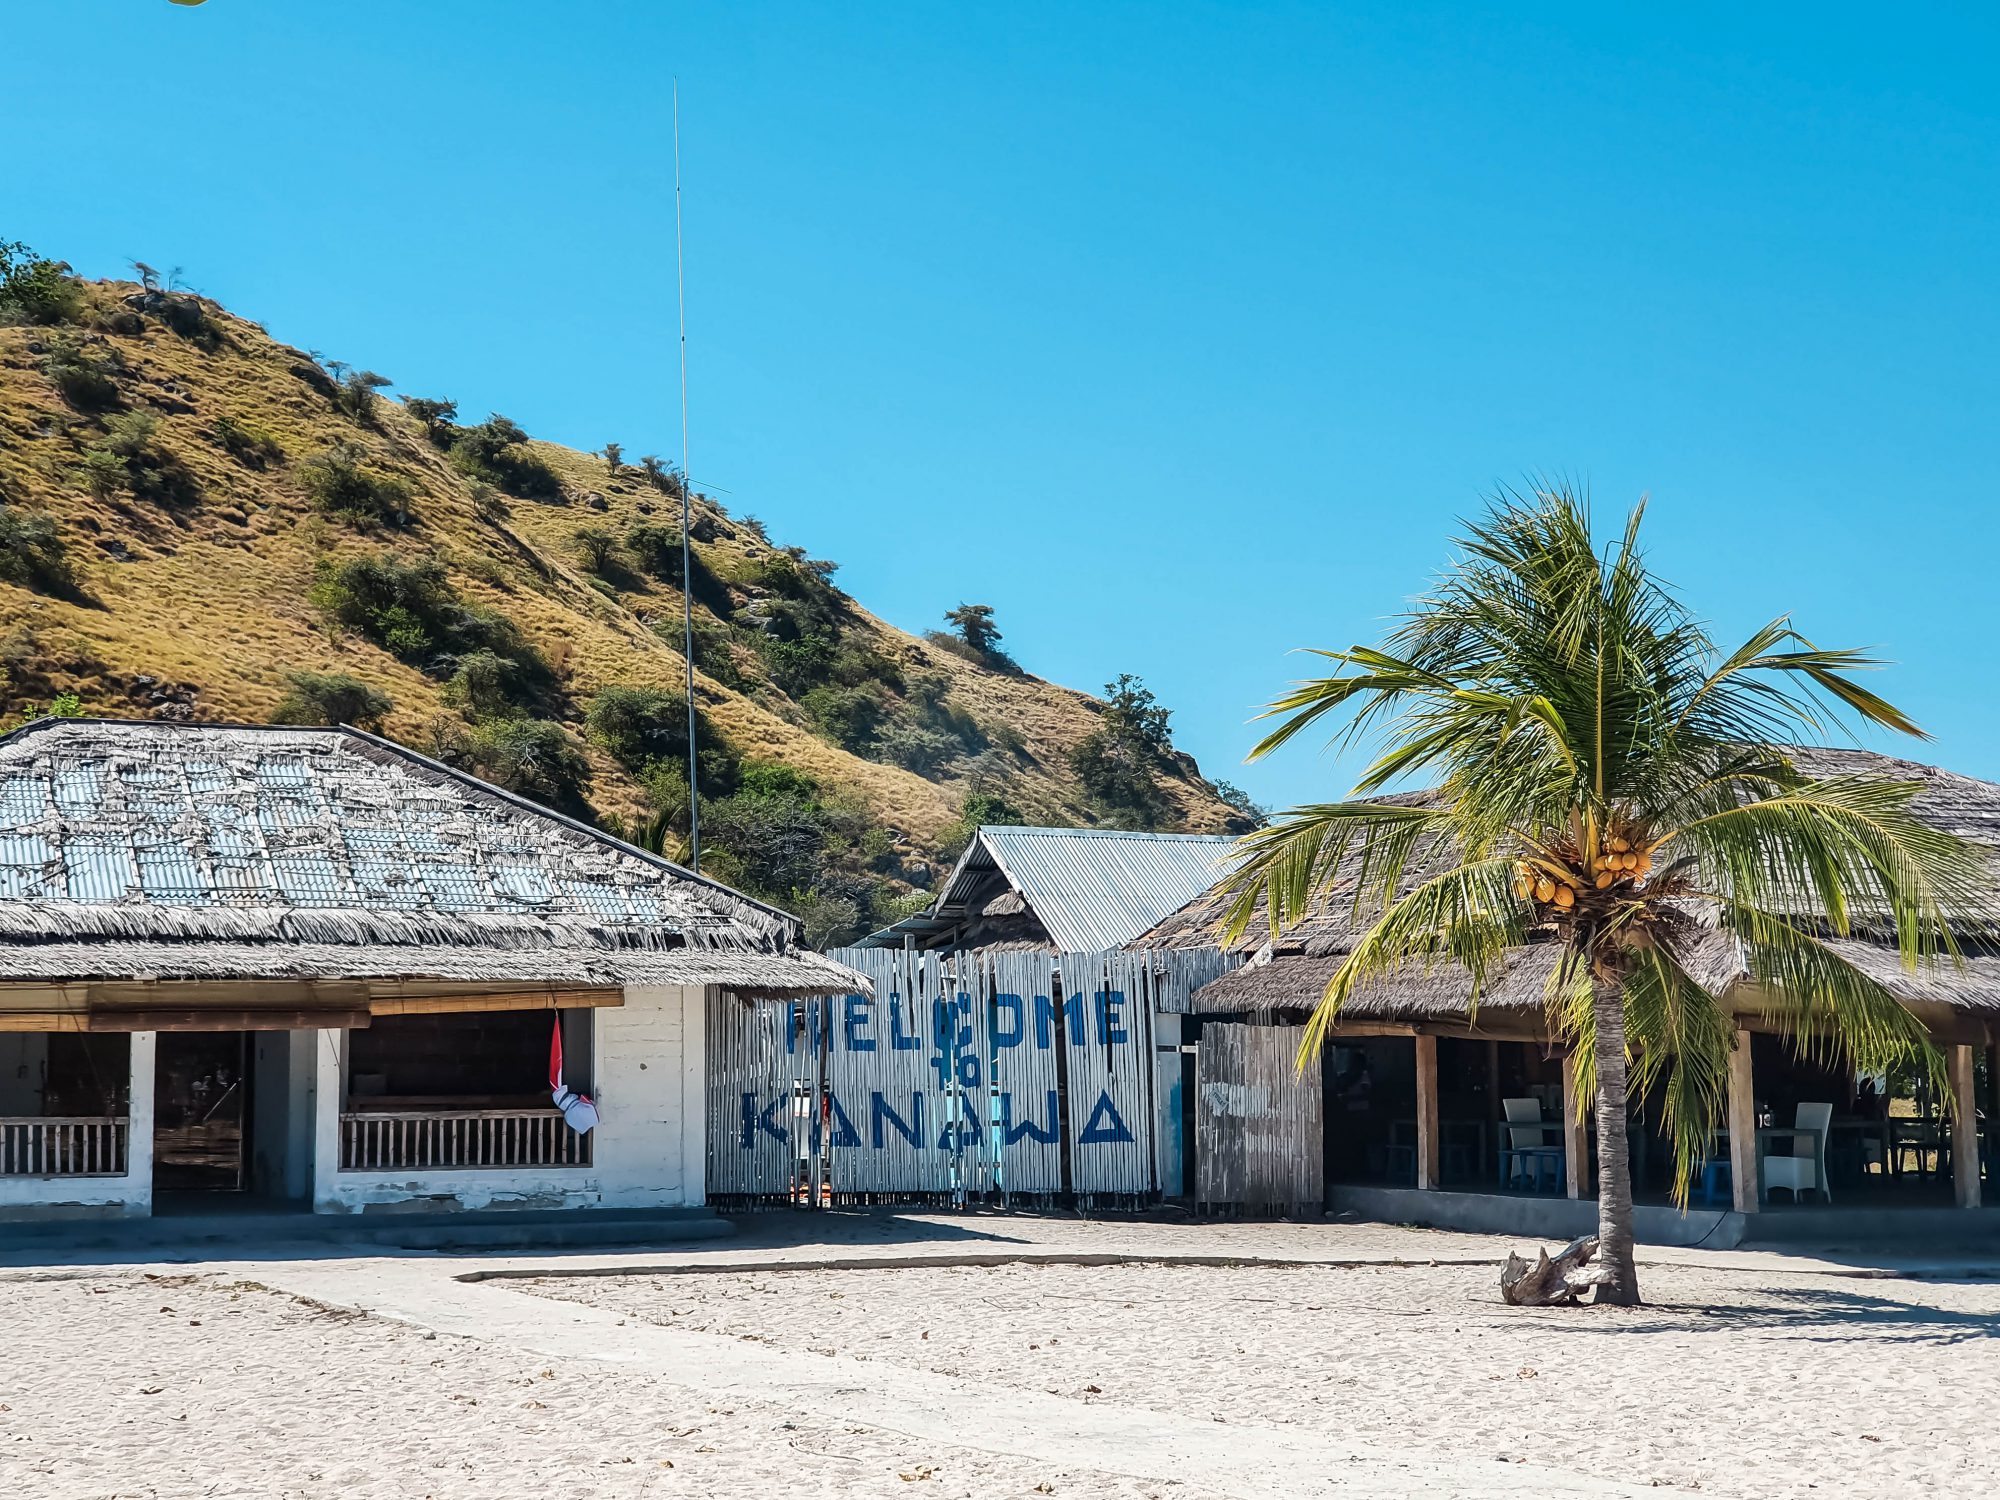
(1796, 1169)
(1526, 1144)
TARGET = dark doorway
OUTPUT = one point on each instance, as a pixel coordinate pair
(201, 1110)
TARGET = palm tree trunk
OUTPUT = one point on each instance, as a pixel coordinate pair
(1620, 1283)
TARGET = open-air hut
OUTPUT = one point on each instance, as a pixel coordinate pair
(1427, 1106)
(314, 967)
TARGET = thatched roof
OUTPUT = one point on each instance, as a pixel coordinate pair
(175, 851)
(1291, 972)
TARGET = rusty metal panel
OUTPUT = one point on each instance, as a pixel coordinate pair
(1258, 1121)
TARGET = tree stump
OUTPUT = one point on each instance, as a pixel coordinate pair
(1549, 1283)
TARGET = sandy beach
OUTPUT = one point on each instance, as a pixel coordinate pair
(722, 1372)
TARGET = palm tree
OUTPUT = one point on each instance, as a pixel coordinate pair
(1611, 783)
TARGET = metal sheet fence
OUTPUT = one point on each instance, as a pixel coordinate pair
(1259, 1140)
(968, 1075)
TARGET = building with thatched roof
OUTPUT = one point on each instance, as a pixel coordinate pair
(312, 965)
(1417, 1090)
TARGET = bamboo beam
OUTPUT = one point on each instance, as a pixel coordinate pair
(1576, 1133)
(430, 1005)
(1742, 1126)
(42, 1020)
(208, 1018)
(1964, 1127)
(1427, 1111)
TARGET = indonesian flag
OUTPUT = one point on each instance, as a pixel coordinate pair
(576, 1108)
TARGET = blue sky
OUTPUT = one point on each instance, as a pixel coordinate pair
(1182, 335)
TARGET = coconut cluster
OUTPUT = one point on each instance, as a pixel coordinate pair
(1572, 869)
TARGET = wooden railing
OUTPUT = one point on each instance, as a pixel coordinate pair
(63, 1145)
(452, 1139)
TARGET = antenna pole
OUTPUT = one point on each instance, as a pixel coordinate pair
(687, 546)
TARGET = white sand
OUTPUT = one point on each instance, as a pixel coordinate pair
(193, 1386)
(1751, 1375)
(1733, 1383)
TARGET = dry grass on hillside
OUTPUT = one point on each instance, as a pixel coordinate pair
(209, 604)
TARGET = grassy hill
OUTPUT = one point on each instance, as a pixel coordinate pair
(199, 522)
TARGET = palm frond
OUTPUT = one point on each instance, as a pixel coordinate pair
(1297, 856)
(1831, 1009)
(1680, 1037)
(1467, 915)
(1843, 848)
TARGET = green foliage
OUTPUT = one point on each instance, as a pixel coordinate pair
(413, 611)
(484, 684)
(250, 446)
(34, 289)
(977, 638)
(661, 476)
(1571, 709)
(86, 376)
(614, 457)
(1118, 764)
(32, 552)
(129, 453)
(62, 706)
(497, 452)
(1242, 804)
(657, 550)
(849, 716)
(341, 482)
(356, 395)
(597, 547)
(979, 810)
(797, 666)
(437, 418)
(534, 758)
(332, 698)
(775, 826)
(916, 747)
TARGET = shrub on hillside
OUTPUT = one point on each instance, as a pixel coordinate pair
(413, 611)
(86, 376)
(849, 716)
(130, 453)
(436, 416)
(356, 395)
(915, 747)
(34, 289)
(1119, 762)
(497, 452)
(534, 758)
(597, 548)
(32, 553)
(250, 446)
(331, 698)
(341, 482)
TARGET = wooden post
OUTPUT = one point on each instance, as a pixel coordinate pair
(1427, 1110)
(1576, 1132)
(1964, 1127)
(1742, 1126)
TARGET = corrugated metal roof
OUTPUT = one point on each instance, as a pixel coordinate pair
(1098, 888)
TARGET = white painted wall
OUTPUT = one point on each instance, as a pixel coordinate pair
(130, 1195)
(649, 1149)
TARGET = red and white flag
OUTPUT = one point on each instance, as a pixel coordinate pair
(576, 1108)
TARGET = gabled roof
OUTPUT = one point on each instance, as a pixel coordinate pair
(1080, 890)
(218, 851)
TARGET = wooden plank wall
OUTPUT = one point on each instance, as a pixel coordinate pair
(1259, 1142)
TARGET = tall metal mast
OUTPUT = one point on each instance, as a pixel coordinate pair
(687, 545)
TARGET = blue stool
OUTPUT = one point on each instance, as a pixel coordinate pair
(1718, 1184)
